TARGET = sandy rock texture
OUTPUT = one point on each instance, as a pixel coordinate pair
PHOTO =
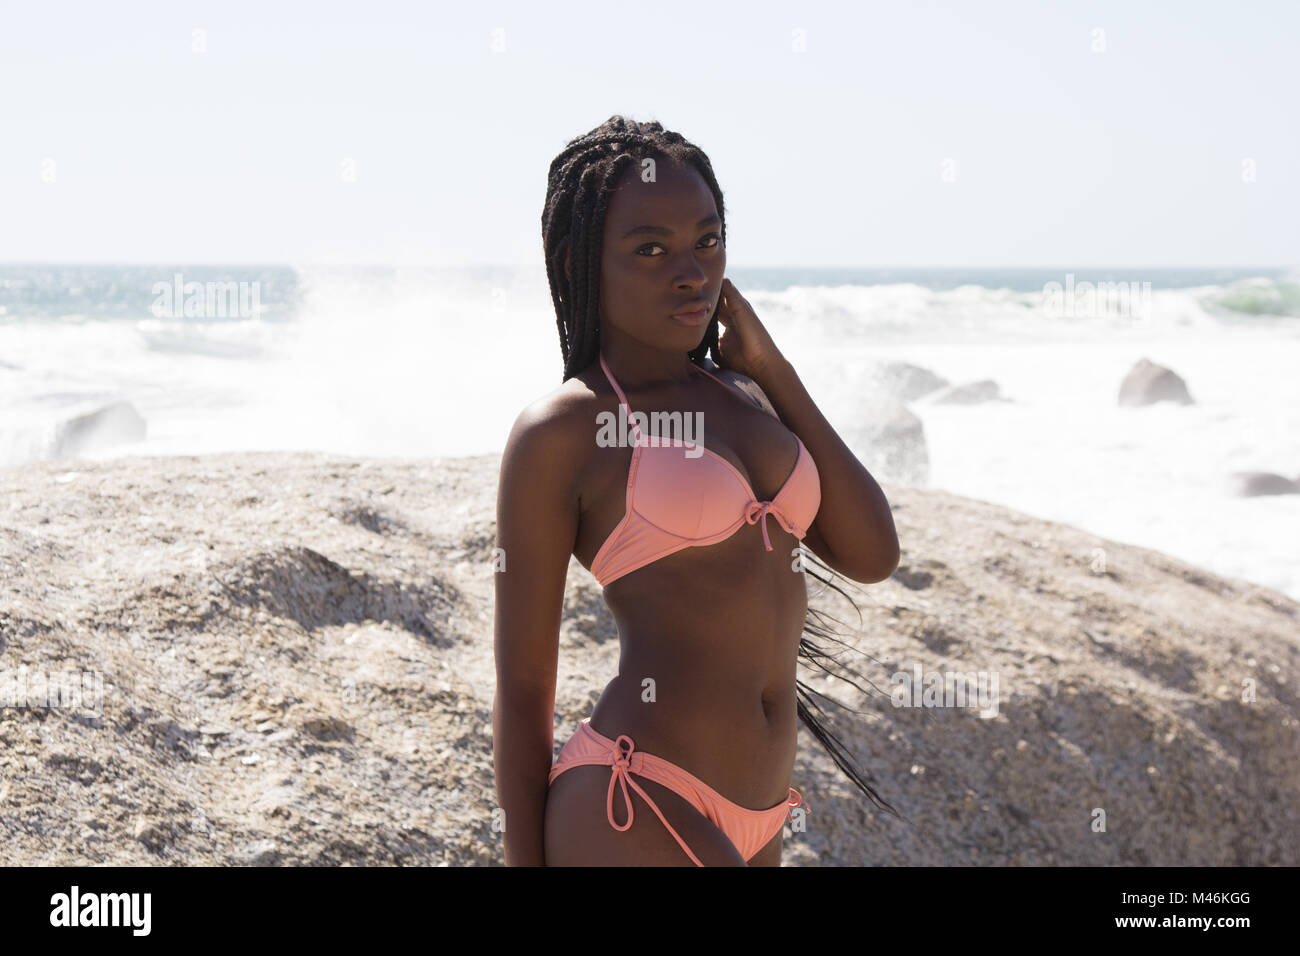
(296, 661)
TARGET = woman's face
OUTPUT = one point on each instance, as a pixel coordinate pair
(661, 254)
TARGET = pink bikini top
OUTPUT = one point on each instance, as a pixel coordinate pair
(675, 502)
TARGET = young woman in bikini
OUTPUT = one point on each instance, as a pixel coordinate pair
(688, 754)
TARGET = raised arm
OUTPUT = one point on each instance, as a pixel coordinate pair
(854, 528)
(537, 523)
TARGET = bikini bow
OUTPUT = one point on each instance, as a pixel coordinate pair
(758, 512)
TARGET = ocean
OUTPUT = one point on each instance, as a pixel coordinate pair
(105, 361)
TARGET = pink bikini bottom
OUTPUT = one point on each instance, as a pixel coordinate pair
(748, 830)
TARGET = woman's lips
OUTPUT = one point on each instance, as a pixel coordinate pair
(692, 318)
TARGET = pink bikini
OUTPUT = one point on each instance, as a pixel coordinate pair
(675, 502)
(748, 830)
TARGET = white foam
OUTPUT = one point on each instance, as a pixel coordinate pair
(424, 365)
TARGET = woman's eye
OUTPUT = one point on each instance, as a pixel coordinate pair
(655, 245)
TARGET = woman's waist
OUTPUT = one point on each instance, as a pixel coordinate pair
(737, 741)
(738, 647)
(726, 674)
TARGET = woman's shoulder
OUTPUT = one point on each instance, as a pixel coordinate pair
(562, 419)
(743, 384)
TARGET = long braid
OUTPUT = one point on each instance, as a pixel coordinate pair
(579, 185)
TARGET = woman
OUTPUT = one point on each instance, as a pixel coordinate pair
(687, 756)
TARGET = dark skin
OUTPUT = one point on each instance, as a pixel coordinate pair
(716, 627)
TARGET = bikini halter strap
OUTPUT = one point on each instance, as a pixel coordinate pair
(622, 399)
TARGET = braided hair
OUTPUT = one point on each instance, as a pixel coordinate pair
(581, 180)
(579, 184)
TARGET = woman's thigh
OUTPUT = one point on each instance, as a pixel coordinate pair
(578, 832)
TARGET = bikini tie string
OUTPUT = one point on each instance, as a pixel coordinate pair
(622, 764)
(757, 514)
(791, 804)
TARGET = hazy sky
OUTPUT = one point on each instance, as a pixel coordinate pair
(833, 128)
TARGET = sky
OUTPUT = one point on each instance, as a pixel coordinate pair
(842, 134)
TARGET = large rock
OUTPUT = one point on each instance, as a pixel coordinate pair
(1252, 484)
(900, 381)
(1148, 382)
(969, 393)
(113, 424)
(889, 439)
(296, 656)
(908, 382)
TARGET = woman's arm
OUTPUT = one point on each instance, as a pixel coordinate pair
(537, 523)
(854, 528)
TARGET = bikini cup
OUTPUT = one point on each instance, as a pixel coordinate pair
(675, 501)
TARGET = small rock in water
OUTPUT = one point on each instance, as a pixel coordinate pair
(1254, 484)
(1147, 383)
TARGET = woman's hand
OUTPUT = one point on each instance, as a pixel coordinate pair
(744, 344)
